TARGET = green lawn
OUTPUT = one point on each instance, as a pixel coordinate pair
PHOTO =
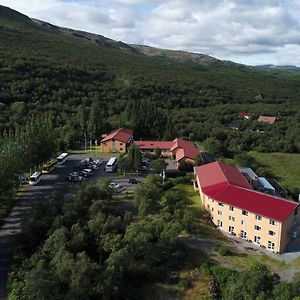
(284, 166)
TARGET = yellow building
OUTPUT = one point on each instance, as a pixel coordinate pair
(117, 141)
(237, 209)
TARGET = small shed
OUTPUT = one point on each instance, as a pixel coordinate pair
(268, 188)
(249, 174)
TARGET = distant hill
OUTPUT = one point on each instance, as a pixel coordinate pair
(79, 76)
(180, 56)
(276, 67)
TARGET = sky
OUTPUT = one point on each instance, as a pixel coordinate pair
(251, 32)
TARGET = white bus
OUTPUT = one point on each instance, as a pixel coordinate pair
(62, 158)
(111, 165)
(35, 178)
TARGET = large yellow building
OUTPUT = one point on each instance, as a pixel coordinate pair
(238, 209)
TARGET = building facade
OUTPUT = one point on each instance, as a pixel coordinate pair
(177, 149)
(237, 209)
(117, 141)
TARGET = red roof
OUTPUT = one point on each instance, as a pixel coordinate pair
(151, 145)
(121, 134)
(266, 119)
(187, 149)
(225, 184)
(244, 114)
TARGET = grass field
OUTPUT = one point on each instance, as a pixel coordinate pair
(284, 166)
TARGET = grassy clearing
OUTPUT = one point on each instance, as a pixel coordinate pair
(284, 166)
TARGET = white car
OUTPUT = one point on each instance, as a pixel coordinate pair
(114, 185)
(88, 171)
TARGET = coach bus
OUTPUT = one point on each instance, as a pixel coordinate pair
(49, 166)
(35, 178)
(111, 166)
(62, 158)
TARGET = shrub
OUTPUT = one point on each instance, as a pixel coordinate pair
(224, 251)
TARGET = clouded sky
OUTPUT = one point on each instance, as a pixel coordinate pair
(245, 31)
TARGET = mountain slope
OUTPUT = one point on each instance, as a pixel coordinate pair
(45, 68)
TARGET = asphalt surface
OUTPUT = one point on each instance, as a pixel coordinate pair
(33, 195)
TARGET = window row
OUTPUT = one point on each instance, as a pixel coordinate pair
(244, 213)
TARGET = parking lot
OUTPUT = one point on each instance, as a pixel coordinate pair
(73, 164)
(32, 195)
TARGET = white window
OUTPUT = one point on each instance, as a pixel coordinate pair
(244, 212)
(221, 204)
(231, 229)
(220, 223)
(208, 206)
(212, 209)
(272, 222)
(231, 218)
(271, 245)
(271, 232)
(257, 228)
(258, 217)
(220, 213)
(257, 239)
(231, 208)
(244, 223)
(243, 234)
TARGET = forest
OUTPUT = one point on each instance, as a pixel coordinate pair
(91, 89)
(94, 248)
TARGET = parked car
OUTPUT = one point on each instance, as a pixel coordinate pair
(94, 167)
(88, 170)
(98, 162)
(74, 174)
(84, 174)
(133, 181)
(114, 185)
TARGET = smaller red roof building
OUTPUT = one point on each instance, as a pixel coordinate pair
(245, 115)
(178, 148)
(123, 135)
(152, 145)
(185, 149)
(267, 119)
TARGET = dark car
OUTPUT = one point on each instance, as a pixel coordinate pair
(133, 181)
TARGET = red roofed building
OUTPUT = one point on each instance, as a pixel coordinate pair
(150, 146)
(267, 119)
(178, 149)
(245, 115)
(238, 209)
(117, 141)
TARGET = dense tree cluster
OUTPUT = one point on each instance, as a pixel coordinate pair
(256, 283)
(89, 249)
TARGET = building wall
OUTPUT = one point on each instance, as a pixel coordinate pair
(240, 222)
(286, 232)
(114, 146)
(165, 153)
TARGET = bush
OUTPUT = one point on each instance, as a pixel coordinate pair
(185, 283)
(224, 251)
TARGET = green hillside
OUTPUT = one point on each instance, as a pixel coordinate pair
(283, 166)
(82, 80)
